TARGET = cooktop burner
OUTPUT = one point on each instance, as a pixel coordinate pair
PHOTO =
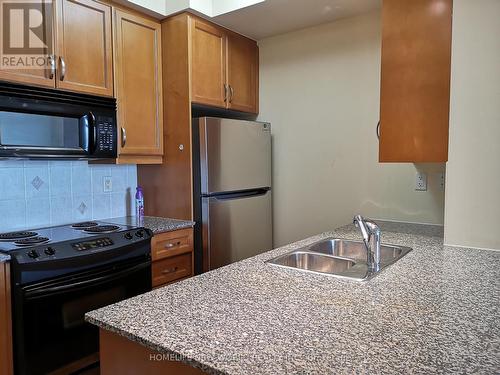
(102, 229)
(85, 225)
(31, 241)
(11, 236)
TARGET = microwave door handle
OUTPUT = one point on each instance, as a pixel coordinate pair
(94, 130)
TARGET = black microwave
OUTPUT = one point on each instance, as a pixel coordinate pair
(39, 123)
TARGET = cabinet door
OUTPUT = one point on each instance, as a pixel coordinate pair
(208, 64)
(242, 73)
(138, 85)
(37, 76)
(84, 47)
(415, 81)
(5, 321)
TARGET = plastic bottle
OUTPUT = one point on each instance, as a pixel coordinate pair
(139, 205)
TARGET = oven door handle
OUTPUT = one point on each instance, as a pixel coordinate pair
(69, 287)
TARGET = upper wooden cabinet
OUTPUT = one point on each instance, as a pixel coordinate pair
(84, 47)
(40, 77)
(415, 81)
(208, 64)
(138, 79)
(242, 73)
(224, 68)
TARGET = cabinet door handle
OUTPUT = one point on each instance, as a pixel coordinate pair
(378, 130)
(63, 68)
(231, 91)
(170, 270)
(124, 136)
(171, 245)
(225, 93)
(52, 61)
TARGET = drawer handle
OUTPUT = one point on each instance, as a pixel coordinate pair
(171, 245)
(170, 270)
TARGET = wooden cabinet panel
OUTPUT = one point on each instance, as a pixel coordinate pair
(170, 269)
(208, 65)
(138, 85)
(242, 73)
(6, 366)
(39, 77)
(171, 243)
(84, 47)
(415, 81)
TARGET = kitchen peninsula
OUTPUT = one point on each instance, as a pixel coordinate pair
(433, 311)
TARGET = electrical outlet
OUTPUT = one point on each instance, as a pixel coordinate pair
(442, 181)
(108, 184)
(421, 181)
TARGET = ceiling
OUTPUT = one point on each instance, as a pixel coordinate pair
(273, 17)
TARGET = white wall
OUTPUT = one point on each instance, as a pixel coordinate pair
(473, 170)
(319, 87)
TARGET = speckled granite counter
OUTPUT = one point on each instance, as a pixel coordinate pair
(156, 224)
(436, 310)
(4, 258)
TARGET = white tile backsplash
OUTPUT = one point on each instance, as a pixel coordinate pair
(41, 193)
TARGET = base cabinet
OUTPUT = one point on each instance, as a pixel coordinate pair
(119, 355)
(172, 255)
(6, 365)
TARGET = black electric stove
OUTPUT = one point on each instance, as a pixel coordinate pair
(60, 273)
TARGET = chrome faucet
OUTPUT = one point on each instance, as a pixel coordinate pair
(371, 237)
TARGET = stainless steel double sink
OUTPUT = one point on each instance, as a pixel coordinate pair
(340, 258)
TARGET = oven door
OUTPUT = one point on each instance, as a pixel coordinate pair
(50, 332)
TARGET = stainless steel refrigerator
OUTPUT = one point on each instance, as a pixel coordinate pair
(232, 190)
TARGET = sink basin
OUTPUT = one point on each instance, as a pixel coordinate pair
(339, 258)
(356, 250)
(315, 262)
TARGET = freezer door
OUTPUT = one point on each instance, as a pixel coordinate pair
(234, 155)
(235, 229)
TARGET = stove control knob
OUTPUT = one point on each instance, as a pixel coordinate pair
(50, 251)
(140, 233)
(128, 236)
(33, 254)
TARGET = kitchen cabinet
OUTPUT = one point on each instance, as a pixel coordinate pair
(84, 47)
(203, 65)
(6, 366)
(39, 77)
(415, 81)
(224, 68)
(81, 40)
(242, 73)
(138, 78)
(172, 256)
(208, 64)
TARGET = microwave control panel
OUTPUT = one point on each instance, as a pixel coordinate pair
(106, 134)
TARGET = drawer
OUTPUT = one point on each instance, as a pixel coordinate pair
(169, 244)
(170, 269)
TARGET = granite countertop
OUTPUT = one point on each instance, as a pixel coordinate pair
(156, 224)
(4, 258)
(436, 310)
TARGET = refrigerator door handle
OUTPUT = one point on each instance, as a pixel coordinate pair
(241, 194)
